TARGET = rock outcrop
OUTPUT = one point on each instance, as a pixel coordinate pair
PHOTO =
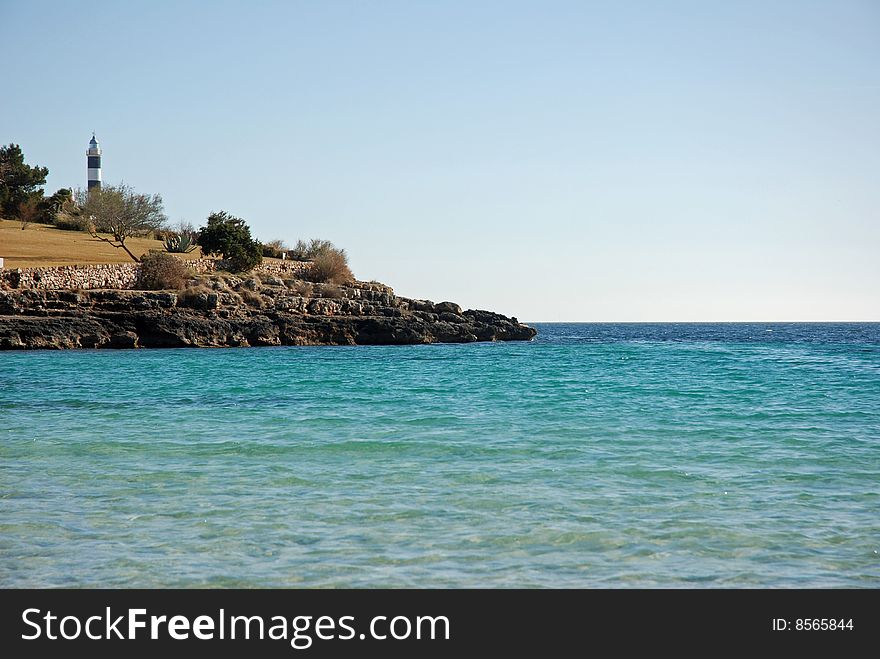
(241, 312)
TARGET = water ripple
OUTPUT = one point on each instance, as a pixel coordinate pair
(631, 455)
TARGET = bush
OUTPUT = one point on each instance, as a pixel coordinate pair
(229, 237)
(161, 271)
(182, 226)
(306, 251)
(252, 299)
(274, 249)
(243, 258)
(180, 243)
(331, 267)
(71, 222)
(162, 234)
(303, 288)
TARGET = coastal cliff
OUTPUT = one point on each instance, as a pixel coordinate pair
(231, 311)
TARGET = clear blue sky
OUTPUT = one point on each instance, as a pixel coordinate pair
(551, 160)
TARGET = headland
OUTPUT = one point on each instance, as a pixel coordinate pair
(99, 306)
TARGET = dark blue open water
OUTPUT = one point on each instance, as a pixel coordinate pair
(597, 455)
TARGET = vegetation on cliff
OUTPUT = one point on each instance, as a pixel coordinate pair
(230, 237)
(119, 216)
(321, 304)
(161, 271)
(122, 213)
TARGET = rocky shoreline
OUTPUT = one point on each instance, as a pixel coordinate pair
(255, 311)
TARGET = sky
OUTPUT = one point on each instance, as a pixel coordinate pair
(554, 161)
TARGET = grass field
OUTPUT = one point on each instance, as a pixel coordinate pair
(39, 245)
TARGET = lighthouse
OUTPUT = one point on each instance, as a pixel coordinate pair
(94, 163)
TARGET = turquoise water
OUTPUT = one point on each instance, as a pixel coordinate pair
(596, 455)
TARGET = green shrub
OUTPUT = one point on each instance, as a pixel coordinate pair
(243, 258)
(180, 243)
(229, 237)
(161, 271)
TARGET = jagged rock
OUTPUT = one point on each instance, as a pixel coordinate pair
(355, 313)
(166, 300)
(448, 317)
(12, 341)
(205, 301)
(447, 307)
(92, 341)
(124, 340)
(324, 307)
(421, 305)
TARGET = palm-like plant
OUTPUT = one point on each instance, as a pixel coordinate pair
(181, 243)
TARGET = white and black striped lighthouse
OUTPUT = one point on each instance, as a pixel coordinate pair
(94, 163)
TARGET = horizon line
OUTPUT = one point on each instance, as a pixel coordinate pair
(702, 322)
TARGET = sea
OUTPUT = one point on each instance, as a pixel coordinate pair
(596, 455)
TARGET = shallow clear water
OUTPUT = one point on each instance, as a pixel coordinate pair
(597, 455)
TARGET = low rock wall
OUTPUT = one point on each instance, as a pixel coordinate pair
(124, 275)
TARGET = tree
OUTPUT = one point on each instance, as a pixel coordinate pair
(123, 213)
(17, 181)
(50, 207)
(29, 210)
(229, 237)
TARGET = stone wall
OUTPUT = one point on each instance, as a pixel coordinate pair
(289, 269)
(123, 275)
(73, 277)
